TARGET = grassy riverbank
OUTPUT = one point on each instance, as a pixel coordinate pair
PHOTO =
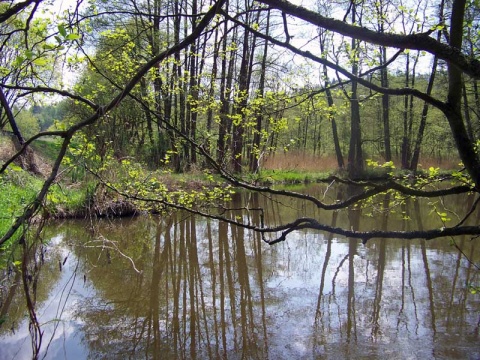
(81, 194)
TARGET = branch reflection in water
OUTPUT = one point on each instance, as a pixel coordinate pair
(183, 287)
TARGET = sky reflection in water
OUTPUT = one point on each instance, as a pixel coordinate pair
(207, 290)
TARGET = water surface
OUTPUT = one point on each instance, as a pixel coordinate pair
(184, 287)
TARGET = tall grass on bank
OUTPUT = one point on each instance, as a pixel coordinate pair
(307, 162)
(270, 177)
(17, 190)
(300, 161)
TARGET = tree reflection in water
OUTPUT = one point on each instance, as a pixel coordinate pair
(206, 290)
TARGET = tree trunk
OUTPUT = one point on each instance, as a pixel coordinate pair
(405, 145)
(453, 113)
(225, 93)
(385, 106)
(331, 116)
(238, 129)
(211, 94)
(355, 156)
(255, 155)
(178, 99)
(154, 41)
(193, 84)
(381, 18)
(408, 114)
(466, 111)
(423, 120)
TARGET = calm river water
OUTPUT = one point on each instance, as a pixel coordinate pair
(184, 287)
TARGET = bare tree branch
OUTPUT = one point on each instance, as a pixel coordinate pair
(421, 41)
(16, 9)
(43, 89)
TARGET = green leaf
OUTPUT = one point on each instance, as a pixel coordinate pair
(19, 60)
(72, 36)
(62, 31)
(48, 46)
(40, 61)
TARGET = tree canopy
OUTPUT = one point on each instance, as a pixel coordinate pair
(222, 84)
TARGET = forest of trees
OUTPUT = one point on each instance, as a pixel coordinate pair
(227, 84)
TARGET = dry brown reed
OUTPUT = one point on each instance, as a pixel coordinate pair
(297, 160)
(302, 161)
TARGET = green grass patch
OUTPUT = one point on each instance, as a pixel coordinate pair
(17, 190)
(290, 176)
(67, 201)
(47, 148)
